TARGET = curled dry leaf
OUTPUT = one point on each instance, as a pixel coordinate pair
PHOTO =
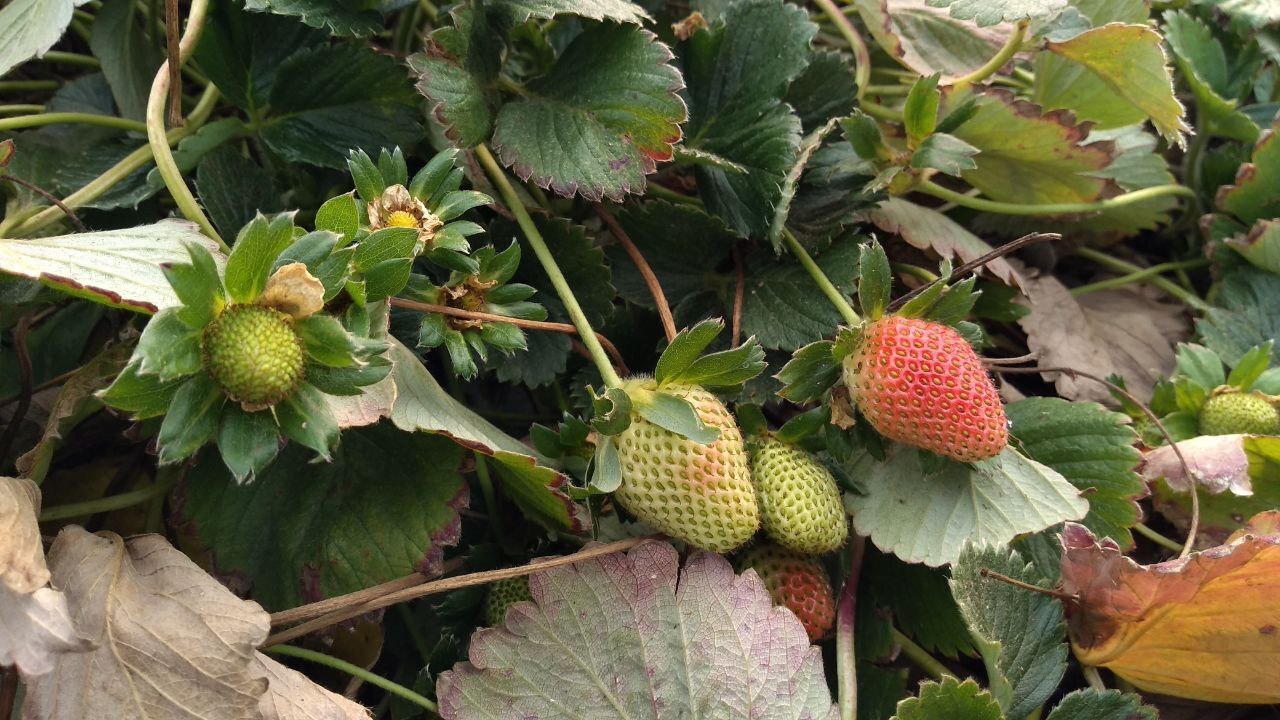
(171, 642)
(294, 291)
(35, 626)
(1205, 627)
(1109, 331)
(1219, 463)
(928, 229)
(1237, 476)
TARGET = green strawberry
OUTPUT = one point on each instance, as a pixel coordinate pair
(796, 582)
(502, 595)
(800, 504)
(700, 494)
(254, 354)
(1229, 411)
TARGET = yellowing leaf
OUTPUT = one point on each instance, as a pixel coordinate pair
(1130, 60)
(1206, 627)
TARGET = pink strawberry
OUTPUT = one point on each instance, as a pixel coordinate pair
(798, 583)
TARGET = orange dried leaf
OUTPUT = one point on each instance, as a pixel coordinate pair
(1206, 627)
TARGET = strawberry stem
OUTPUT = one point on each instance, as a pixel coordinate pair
(929, 187)
(820, 278)
(585, 332)
(997, 61)
(354, 671)
(861, 56)
(846, 660)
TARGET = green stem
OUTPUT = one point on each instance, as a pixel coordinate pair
(20, 109)
(1139, 276)
(118, 172)
(861, 56)
(888, 90)
(68, 58)
(105, 504)
(883, 112)
(997, 61)
(820, 278)
(913, 271)
(666, 193)
(585, 333)
(1165, 284)
(158, 139)
(490, 497)
(918, 655)
(107, 121)
(354, 671)
(982, 204)
(1157, 538)
(17, 85)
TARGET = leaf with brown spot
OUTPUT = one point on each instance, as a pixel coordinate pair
(1203, 627)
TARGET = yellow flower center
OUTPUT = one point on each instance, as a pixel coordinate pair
(402, 218)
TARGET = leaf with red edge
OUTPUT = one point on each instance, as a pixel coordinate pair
(1203, 627)
(630, 631)
(1253, 197)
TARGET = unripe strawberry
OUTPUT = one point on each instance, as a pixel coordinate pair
(502, 595)
(800, 504)
(918, 382)
(1229, 412)
(700, 494)
(798, 583)
(254, 354)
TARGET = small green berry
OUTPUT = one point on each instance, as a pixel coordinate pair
(502, 595)
(1230, 412)
(254, 354)
(800, 503)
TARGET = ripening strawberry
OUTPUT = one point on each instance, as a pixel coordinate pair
(700, 494)
(1229, 412)
(918, 382)
(800, 504)
(502, 595)
(796, 582)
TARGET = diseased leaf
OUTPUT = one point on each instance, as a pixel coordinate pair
(1109, 331)
(1261, 246)
(1202, 627)
(113, 267)
(700, 640)
(1021, 635)
(928, 229)
(455, 71)
(1236, 477)
(1252, 197)
(613, 92)
(1026, 155)
(926, 512)
(1093, 449)
(927, 39)
(949, 700)
(291, 695)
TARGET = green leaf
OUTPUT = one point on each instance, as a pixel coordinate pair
(606, 466)
(992, 12)
(457, 71)
(727, 368)
(422, 405)
(809, 373)
(1021, 635)
(929, 40)
(254, 254)
(169, 348)
(923, 510)
(782, 308)
(702, 632)
(950, 700)
(515, 12)
(1243, 315)
(677, 415)
(1253, 195)
(326, 341)
(129, 59)
(1200, 365)
(140, 394)
(28, 28)
(920, 112)
(385, 507)
(198, 285)
(920, 602)
(682, 244)
(946, 153)
(685, 349)
(1258, 13)
(121, 268)
(782, 208)
(825, 90)
(365, 174)
(1104, 705)
(736, 108)
(329, 99)
(234, 189)
(1091, 447)
(874, 280)
(581, 262)
(340, 17)
(247, 441)
(341, 215)
(192, 419)
(1131, 63)
(1261, 246)
(241, 52)
(614, 91)
(1251, 367)
(1029, 157)
(1203, 63)
(391, 243)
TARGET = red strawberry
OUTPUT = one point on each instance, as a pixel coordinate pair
(920, 383)
(797, 582)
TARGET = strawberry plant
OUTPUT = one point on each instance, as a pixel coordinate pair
(856, 359)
